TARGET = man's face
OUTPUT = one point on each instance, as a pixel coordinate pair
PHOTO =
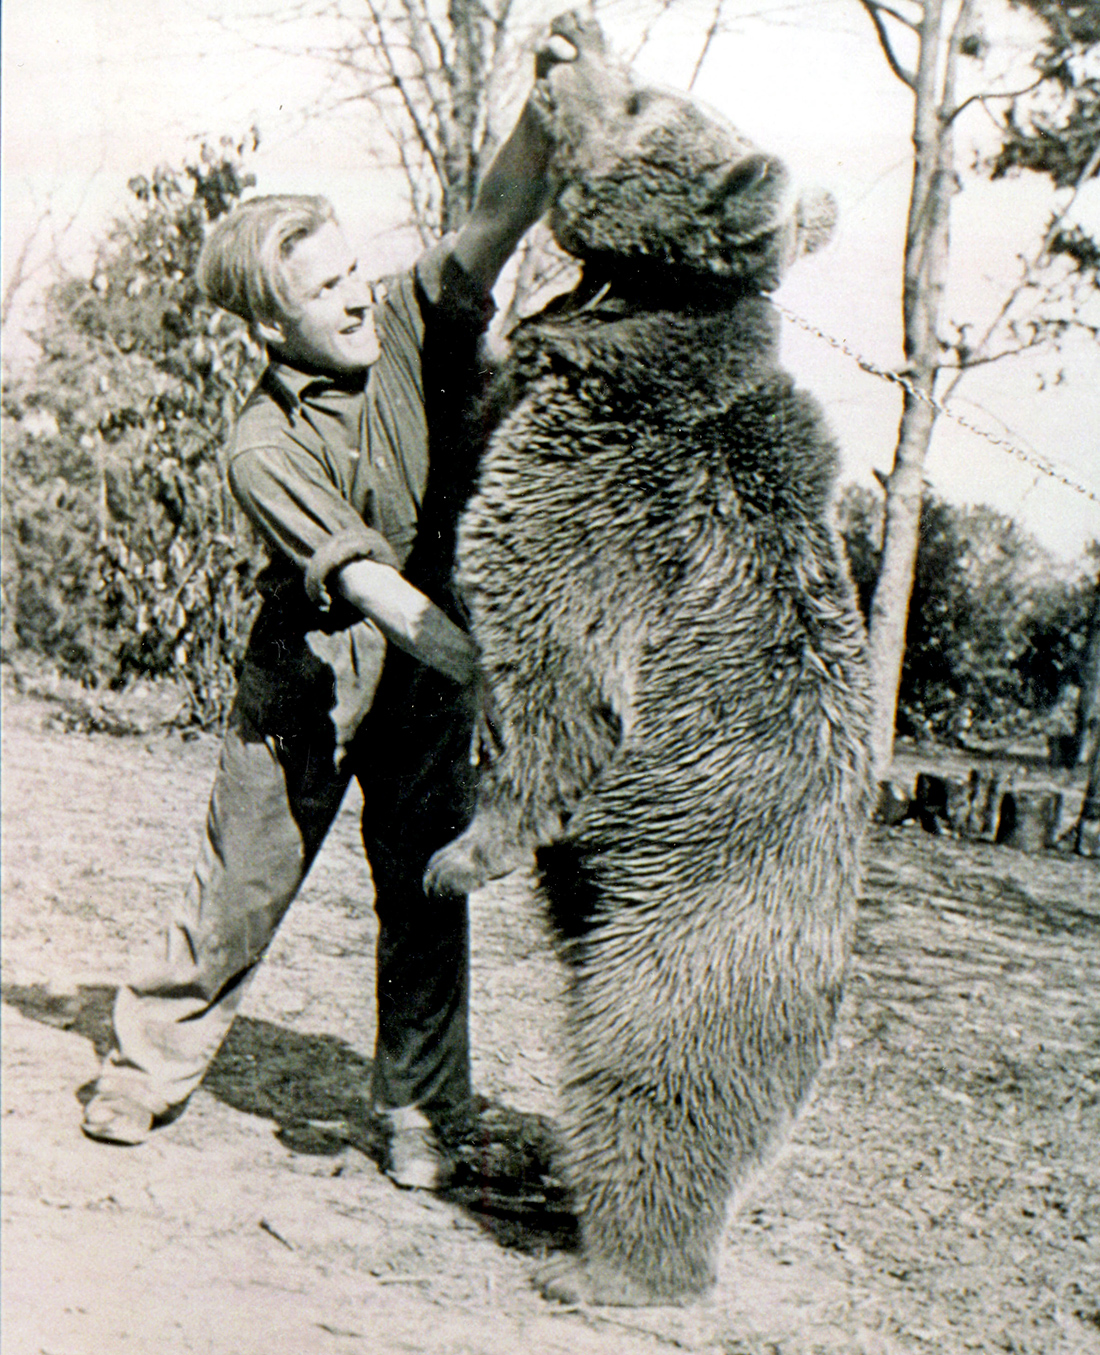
(334, 325)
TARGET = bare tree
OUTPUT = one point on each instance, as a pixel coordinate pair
(927, 244)
(39, 253)
(1037, 308)
(442, 78)
(25, 267)
(434, 74)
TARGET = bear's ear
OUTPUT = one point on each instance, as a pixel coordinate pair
(751, 199)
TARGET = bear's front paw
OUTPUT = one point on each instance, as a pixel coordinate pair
(481, 853)
(454, 870)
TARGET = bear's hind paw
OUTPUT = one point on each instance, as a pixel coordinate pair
(567, 1279)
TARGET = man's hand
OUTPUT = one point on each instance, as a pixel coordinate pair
(570, 34)
(408, 619)
(558, 47)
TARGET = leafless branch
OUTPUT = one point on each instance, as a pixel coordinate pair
(437, 36)
(901, 18)
(711, 33)
(1040, 333)
(411, 178)
(21, 272)
(875, 11)
(1029, 269)
(647, 32)
(418, 23)
(419, 125)
(968, 364)
(499, 22)
(1090, 168)
(1007, 94)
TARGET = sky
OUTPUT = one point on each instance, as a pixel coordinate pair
(96, 91)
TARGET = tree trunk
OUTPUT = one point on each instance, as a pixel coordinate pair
(926, 255)
(468, 78)
(1087, 841)
(894, 586)
(1087, 731)
(1088, 825)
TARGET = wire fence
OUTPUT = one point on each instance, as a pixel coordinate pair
(1031, 459)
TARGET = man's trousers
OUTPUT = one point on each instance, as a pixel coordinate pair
(275, 796)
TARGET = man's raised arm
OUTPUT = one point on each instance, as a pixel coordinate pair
(516, 189)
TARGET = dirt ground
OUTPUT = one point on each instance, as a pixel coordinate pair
(941, 1193)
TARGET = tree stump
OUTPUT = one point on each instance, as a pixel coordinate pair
(1029, 819)
(1087, 841)
(1088, 824)
(942, 803)
(985, 805)
(893, 804)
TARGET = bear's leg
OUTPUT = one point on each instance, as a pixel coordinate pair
(541, 759)
(651, 1176)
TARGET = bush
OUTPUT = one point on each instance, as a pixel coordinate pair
(124, 554)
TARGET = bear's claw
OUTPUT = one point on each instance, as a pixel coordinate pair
(485, 851)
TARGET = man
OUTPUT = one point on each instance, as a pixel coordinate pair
(357, 663)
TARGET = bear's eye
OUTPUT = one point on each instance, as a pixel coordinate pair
(635, 104)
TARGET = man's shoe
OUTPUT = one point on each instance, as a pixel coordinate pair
(112, 1117)
(415, 1159)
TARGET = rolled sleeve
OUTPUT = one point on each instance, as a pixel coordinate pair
(354, 543)
(302, 515)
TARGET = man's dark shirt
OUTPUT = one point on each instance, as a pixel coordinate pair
(329, 473)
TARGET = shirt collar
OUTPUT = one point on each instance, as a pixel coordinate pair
(295, 386)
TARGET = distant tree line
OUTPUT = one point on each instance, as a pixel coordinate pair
(999, 642)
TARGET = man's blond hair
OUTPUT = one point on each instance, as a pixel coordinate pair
(242, 267)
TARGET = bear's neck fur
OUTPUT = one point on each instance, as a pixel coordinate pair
(688, 344)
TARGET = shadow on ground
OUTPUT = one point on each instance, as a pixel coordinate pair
(86, 1012)
(316, 1089)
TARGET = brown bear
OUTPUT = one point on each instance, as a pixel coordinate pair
(675, 674)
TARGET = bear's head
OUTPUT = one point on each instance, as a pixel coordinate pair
(659, 191)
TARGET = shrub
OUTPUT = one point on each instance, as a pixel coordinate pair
(124, 553)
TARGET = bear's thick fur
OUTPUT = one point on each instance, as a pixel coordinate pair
(675, 670)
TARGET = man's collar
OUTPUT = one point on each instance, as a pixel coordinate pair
(295, 385)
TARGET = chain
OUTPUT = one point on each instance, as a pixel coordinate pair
(900, 379)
